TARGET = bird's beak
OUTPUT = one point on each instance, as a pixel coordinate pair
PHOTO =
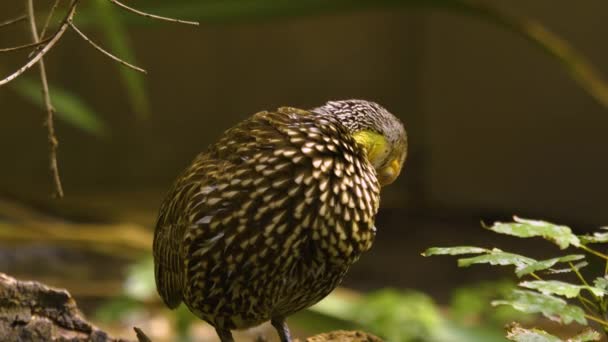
(389, 173)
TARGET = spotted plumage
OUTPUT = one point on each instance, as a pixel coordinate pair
(269, 219)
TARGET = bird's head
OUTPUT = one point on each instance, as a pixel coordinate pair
(378, 131)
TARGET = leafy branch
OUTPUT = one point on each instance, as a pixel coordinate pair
(41, 45)
(549, 297)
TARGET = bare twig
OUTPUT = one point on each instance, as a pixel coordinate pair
(50, 111)
(153, 16)
(13, 21)
(25, 46)
(48, 18)
(100, 49)
(54, 38)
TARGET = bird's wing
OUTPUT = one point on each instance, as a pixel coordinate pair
(188, 205)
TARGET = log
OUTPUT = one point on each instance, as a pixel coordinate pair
(30, 311)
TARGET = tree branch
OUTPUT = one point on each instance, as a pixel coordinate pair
(48, 18)
(13, 21)
(54, 39)
(100, 49)
(153, 16)
(50, 111)
(25, 46)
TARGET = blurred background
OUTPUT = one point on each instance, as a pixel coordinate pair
(498, 125)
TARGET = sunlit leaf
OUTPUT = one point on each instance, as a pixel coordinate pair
(119, 44)
(69, 107)
(546, 264)
(551, 307)
(598, 237)
(518, 334)
(498, 257)
(560, 288)
(560, 235)
(574, 267)
(454, 250)
(601, 283)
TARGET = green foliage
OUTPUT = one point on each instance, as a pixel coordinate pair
(140, 283)
(471, 304)
(560, 288)
(69, 107)
(560, 235)
(551, 307)
(523, 265)
(548, 297)
(518, 334)
(400, 316)
(548, 264)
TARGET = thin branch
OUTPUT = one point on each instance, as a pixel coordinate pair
(48, 18)
(25, 46)
(13, 21)
(153, 16)
(54, 38)
(594, 252)
(597, 320)
(50, 111)
(100, 49)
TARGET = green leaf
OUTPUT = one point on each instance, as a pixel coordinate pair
(546, 264)
(576, 267)
(518, 334)
(560, 288)
(459, 250)
(68, 107)
(595, 238)
(551, 307)
(119, 44)
(601, 283)
(560, 235)
(498, 257)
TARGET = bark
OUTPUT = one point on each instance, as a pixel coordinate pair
(30, 311)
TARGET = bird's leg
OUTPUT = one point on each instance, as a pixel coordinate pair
(282, 328)
(224, 334)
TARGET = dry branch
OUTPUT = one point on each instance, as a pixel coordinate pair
(54, 39)
(13, 21)
(153, 16)
(50, 111)
(100, 49)
(44, 45)
(48, 18)
(25, 46)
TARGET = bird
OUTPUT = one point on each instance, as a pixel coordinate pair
(267, 221)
